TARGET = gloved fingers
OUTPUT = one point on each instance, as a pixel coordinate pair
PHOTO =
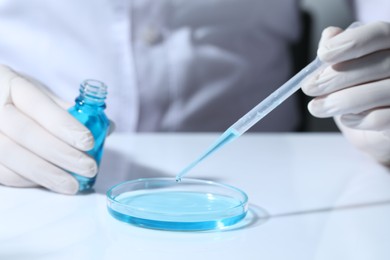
(375, 143)
(375, 120)
(308, 84)
(6, 75)
(10, 178)
(35, 168)
(355, 42)
(332, 31)
(28, 134)
(329, 33)
(29, 99)
(352, 100)
(62, 103)
(375, 66)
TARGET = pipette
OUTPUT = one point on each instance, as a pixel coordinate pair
(259, 111)
(256, 114)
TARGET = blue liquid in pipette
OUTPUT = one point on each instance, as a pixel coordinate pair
(179, 210)
(228, 136)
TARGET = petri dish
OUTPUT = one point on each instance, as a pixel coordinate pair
(188, 205)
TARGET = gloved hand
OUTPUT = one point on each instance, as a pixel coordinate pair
(355, 86)
(39, 140)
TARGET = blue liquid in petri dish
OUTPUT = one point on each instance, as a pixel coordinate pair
(179, 210)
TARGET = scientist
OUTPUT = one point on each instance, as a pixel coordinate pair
(171, 65)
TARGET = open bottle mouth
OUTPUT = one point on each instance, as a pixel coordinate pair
(93, 90)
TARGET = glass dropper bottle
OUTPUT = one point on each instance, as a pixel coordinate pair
(89, 110)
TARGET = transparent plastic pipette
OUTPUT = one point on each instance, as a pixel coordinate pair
(259, 111)
(256, 113)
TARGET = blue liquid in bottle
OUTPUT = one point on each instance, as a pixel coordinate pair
(89, 110)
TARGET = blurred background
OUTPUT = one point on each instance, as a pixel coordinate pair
(317, 15)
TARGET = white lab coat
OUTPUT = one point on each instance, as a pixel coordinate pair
(373, 10)
(170, 65)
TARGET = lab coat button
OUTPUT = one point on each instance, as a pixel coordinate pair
(152, 36)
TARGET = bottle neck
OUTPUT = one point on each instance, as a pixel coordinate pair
(92, 93)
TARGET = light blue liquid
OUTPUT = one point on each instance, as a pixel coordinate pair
(228, 136)
(179, 210)
(90, 112)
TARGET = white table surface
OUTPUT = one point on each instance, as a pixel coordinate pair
(312, 197)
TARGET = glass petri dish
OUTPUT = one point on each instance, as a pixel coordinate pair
(188, 205)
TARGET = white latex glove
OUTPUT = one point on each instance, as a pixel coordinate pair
(355, 87)
(39, 140)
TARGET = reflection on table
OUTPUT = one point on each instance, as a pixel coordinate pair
(312, 196)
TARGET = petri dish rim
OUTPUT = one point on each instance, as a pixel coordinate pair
(241, 198)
